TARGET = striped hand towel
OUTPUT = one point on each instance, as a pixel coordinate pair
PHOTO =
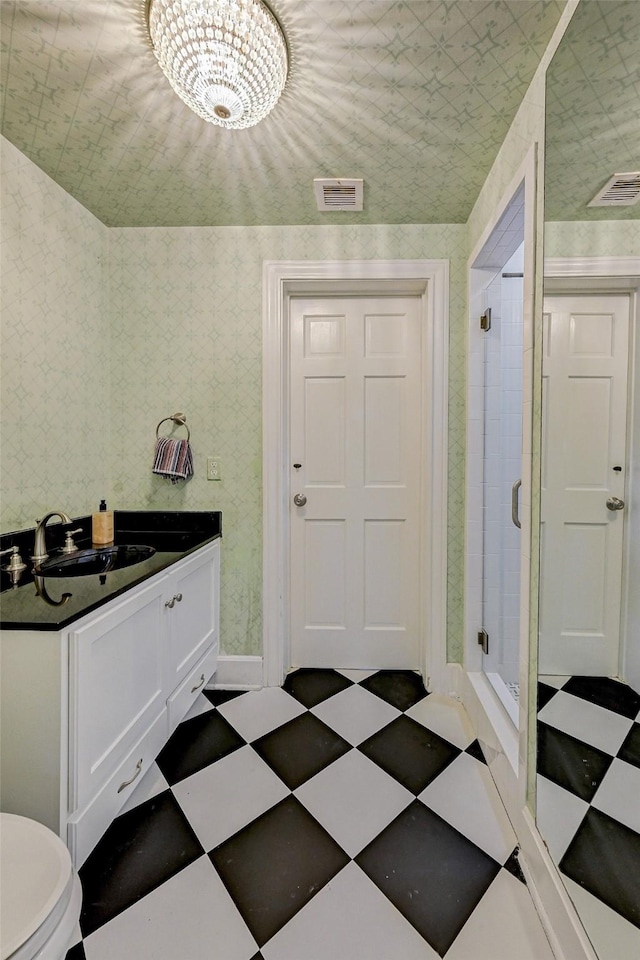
(173, 459)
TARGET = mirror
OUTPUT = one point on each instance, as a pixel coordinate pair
(588, 784)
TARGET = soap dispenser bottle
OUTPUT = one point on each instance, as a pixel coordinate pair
(102, 526)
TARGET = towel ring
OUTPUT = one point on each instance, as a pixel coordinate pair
(180, 419)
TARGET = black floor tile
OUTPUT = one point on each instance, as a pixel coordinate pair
(216, 697)
(545, 693)
(430, 872)
(630, 749)
(139, 851)
(401, 688)
(301, 748)
(311, 687)
(604, 858)
(195, 744)
(570, 763)
(409, 752)
(76, 953)
(475, 750)
(513, 866)
(607, 693)
(276, 865)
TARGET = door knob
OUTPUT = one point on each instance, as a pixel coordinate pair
(299, 499)
(615, 503)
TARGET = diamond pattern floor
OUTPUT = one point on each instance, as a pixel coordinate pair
(588, 809)
(345, 816)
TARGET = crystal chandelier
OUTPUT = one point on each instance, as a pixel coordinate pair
(227, 59)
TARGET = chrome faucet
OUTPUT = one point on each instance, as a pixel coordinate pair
(40, 546)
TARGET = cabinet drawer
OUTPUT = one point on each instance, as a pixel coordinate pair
(85, 828)
(183, 696)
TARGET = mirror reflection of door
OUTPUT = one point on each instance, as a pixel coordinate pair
(584, 470)
(588, 743)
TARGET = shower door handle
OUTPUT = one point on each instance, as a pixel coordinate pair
(514, 503)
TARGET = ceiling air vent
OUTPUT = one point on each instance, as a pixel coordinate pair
(622, 190)
(338, 194)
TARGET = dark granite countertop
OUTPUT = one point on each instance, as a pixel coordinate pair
(51, 603)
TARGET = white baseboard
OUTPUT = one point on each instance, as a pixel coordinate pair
(557, 913)
(238, 673)
(499, 742)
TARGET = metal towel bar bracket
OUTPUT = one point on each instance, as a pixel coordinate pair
(178, 418)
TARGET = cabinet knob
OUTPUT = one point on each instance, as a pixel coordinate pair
(170, 603)
(178, 597)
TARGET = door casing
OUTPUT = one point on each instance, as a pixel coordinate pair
(428, 279)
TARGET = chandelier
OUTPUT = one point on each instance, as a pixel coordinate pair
(227, 59)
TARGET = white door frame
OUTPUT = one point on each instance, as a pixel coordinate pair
(282, 279)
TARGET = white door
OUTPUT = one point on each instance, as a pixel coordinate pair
(355, 445)
(584, 404)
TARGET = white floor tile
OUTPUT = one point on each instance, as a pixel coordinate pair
(556, 682)
(466, 797)
(199, 705)
(184, 918)
(151, 785)
(504, 926)
(586, 721)
(260, 711)
(227, 795)
(349, 919)
(357, 675)
(613, 937)
(354, 800)
(355, 714)
(446, 718)
(559, 813)
(619, 794)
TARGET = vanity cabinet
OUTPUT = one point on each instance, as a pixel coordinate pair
(85, 711)
(192, 622)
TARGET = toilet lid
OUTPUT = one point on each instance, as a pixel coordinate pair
(35, 868)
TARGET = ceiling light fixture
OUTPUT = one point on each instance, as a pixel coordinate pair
(227, 59)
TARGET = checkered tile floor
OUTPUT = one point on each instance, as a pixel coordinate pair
(589, 803)
(346, 816)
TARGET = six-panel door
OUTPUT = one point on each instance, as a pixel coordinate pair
(355, 433)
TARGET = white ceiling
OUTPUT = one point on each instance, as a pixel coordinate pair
(414, 96)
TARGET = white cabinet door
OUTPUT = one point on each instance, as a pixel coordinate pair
(192, 614)
(117, 686)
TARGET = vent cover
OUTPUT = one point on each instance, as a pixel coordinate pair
(339, 194)
(622, 190)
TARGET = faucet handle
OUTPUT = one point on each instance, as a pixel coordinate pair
(15, 563)
(69, 545)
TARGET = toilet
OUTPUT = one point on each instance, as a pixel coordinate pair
(41, 893)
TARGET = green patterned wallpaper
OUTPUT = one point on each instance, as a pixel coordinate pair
(604, 238)
(415, 96)
(107, 331)
(186, 307)
(55, 348)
